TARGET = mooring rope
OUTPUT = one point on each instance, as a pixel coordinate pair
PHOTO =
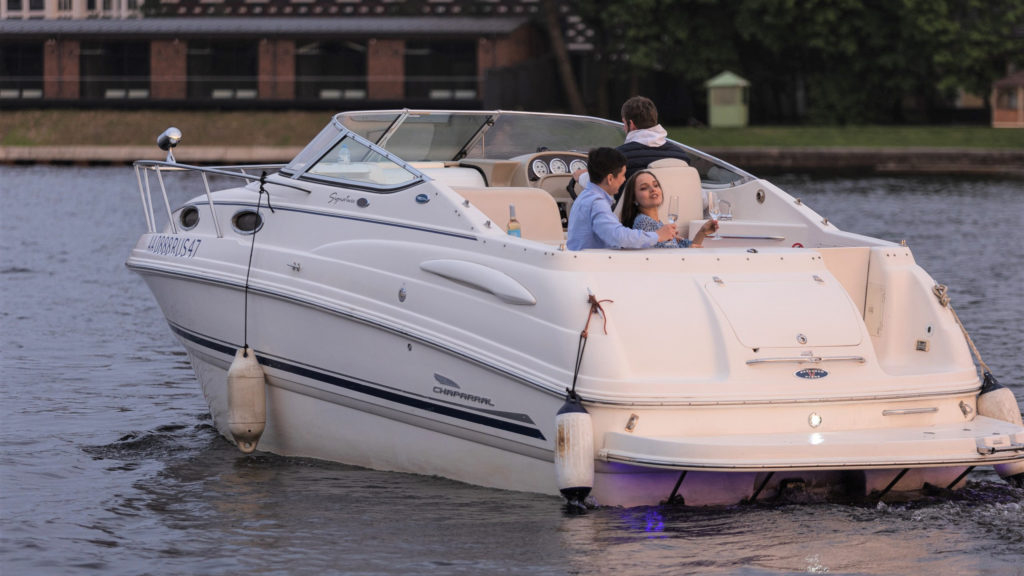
(942, 293)
(595, 307)
(248, 269)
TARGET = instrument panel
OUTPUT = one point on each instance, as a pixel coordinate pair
(546, 164)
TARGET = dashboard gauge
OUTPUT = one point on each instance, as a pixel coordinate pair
(558, 166)
(540, 168)
(577, 164)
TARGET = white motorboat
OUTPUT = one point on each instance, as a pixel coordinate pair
(398, 326)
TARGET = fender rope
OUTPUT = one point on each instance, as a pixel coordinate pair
(595, 307)
(248, 269)
(942, 293)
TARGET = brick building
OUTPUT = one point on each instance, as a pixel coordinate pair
(277, 53)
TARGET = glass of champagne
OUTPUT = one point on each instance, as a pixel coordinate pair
(673, 211)
(714, 210)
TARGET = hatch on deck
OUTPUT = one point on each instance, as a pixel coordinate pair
(788, 313)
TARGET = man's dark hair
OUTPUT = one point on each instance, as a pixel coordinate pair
(604, 161)
(640, 111)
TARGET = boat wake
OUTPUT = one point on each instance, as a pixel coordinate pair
(162, 443)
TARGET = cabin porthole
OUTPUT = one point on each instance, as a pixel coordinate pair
(189, 217)
(247, 222)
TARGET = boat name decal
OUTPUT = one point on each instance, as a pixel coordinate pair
(178, 246)
(462, 395)
(335, 199)
(811, 373)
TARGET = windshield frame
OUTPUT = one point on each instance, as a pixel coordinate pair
(380, 127)
(332, 136)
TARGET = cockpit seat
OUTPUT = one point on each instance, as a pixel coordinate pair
(679, 179)
(535, 209)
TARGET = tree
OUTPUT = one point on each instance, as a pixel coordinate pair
(827, 61)
(569, 86)
(691, 40)
(988, 37)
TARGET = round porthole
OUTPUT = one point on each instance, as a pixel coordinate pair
(189, 217)
(247, 222)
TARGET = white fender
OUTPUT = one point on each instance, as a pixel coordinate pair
(247, 400)
(1001, 405)
(574, 450)
(998, 402)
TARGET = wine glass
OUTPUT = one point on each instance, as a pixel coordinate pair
(714, 210)
(673, 209)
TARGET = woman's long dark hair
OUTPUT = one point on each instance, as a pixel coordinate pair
(629, 206)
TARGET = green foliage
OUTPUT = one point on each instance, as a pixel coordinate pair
(829, 61)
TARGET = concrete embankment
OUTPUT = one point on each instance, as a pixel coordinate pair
(992, 161)
(981, 161)
(98, 155)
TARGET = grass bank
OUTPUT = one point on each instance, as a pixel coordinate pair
(296, 128)
(851, 136)
(141, 127)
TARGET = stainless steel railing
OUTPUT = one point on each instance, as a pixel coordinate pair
(148, 167)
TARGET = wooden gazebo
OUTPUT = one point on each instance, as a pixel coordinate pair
(1008, 101)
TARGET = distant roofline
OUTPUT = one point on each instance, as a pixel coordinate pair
(264, 26)
(1013, 80)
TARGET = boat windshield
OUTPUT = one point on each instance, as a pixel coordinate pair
(453, 135)
(447, 136)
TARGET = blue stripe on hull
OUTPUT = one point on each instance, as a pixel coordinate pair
(366, 389)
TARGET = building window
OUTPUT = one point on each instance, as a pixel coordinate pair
(36, 4)
(14, 5)
(21, 70)
(330, 71)
(1006, 99)
(222, 70)
(441, 70)
(114, 70)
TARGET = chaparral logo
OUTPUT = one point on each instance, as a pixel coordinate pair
(811, 373)
(447, 390)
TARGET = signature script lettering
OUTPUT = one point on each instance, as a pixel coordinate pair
(335, 199)
(177, 246)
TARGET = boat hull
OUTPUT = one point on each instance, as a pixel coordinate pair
(354, 434)
(417, 408)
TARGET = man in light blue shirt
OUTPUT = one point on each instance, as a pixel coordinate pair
(591, 222)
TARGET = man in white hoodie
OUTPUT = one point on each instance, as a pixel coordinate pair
(646, 140)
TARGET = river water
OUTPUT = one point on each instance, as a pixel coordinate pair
(109, 465)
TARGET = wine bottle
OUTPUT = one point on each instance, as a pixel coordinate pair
(513, 224)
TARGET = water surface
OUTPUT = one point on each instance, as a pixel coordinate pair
(109, 465)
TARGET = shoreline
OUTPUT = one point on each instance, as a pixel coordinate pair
(946, 161)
